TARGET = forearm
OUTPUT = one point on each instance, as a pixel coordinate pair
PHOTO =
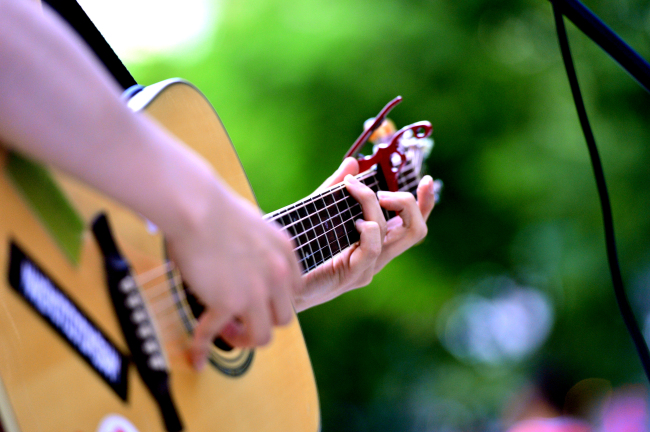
(59, 106)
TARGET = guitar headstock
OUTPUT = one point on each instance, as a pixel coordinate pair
(399, 154)
(415, 151)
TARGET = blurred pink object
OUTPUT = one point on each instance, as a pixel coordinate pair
(558, 424)
(626, 411)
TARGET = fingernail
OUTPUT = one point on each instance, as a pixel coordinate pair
(383, 194)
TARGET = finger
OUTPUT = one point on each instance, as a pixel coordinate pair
(251, 329)
(369, 202)
(371, 238)
(257, 323)
(362, 260)
(210, 324)
(280, 304)
(281, 311)
(232, 332)
(403, 203)
(406, 229)
(426, 196)
(294, 279)
(348, 166)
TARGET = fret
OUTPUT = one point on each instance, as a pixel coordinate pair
(341, 209)
(307, 235)
(312, 225)
(288, 221)
(332, 221)
(323, 225)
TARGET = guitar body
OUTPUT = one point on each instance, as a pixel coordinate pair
(46, 385)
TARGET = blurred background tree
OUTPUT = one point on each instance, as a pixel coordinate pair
(510, 290)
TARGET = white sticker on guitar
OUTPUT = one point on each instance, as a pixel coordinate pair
(58, 309)
(116, 423)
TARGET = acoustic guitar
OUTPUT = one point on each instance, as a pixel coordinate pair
(95, 320)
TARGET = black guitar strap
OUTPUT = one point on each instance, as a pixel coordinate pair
(78, 19)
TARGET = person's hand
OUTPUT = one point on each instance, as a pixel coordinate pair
(69, 115)
(409, 227)
(243, 270)
(355, 267)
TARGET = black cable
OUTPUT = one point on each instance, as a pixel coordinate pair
(617, 280)
(609, 41)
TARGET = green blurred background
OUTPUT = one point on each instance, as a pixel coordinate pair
(510, 291)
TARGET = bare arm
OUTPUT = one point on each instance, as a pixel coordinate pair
(59, 106)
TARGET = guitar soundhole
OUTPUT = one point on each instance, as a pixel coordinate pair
(229, 360)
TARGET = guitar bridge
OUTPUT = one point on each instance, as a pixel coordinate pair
(136, 323)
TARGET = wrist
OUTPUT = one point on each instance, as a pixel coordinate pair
(176, 188)
(196, 197)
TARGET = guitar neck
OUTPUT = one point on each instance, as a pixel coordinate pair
(323, 224)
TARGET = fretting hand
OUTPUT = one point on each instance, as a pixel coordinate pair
(380, 241)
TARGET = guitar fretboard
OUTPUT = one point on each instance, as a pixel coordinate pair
(323, 224)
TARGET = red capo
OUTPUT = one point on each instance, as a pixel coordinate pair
(384, 152)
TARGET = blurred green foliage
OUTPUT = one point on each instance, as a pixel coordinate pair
(293, 82)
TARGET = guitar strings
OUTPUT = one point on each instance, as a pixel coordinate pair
(314, 239)
(274, 216)
(165, 309)
(289, 210)
(160, 288)
(322, 223)
(164, 304)
(154, 273)
(328, 244)
(326, 235)
(313, 227)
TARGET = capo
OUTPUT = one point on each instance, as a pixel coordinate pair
(389, 157)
